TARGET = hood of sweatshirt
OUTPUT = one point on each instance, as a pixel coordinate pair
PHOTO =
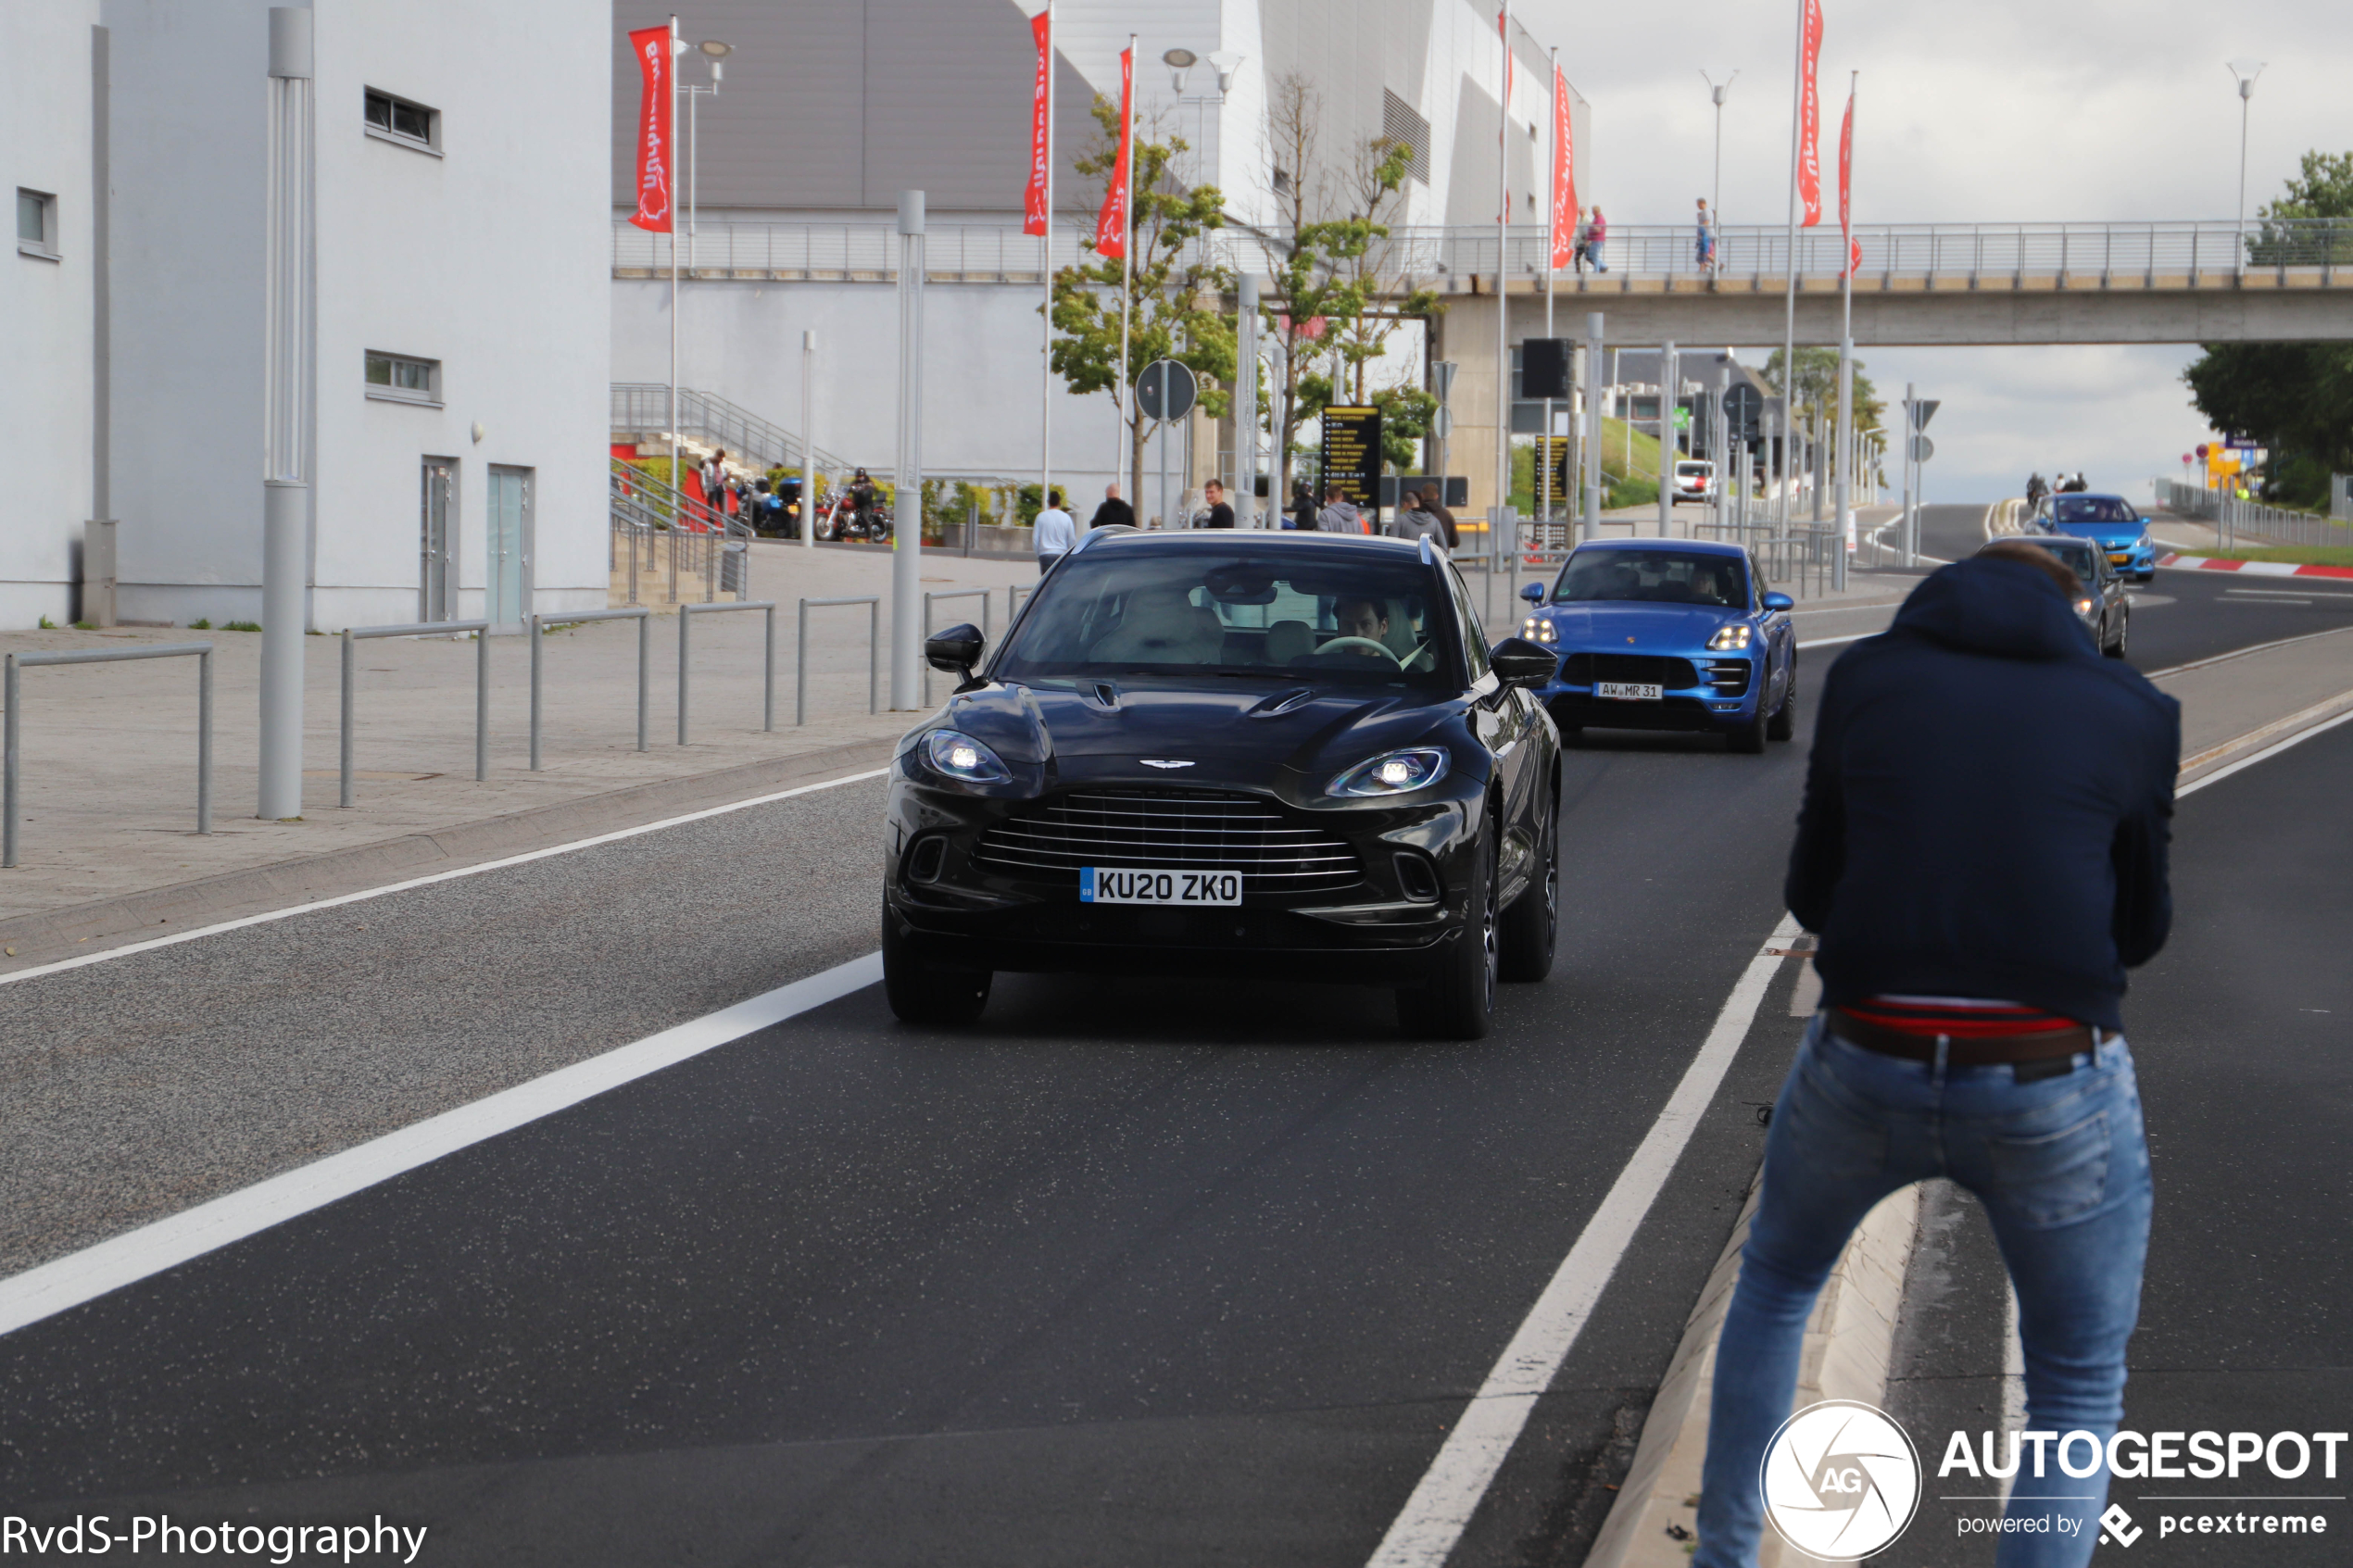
(2004, 608)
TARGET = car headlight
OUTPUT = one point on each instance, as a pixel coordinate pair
(1536, 628)
(1394, 773)
(1730, 639)
(962, 757)
(2083, 607)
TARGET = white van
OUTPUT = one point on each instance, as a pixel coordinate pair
(1694, 480)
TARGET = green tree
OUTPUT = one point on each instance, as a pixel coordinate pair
(1173, 287)
(1818, 388)
(2322, 190)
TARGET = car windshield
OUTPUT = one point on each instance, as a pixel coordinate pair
(1277, 614)
(1661, 576)
(2092, 509)
(2077, 557)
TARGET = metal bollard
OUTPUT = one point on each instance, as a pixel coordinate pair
(12, 722)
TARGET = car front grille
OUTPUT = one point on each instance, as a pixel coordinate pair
(1185, 830)
(1584, 669)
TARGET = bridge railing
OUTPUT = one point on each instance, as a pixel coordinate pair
(1994, 254)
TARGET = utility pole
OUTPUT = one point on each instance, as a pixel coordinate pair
(808, 437)
(907, 527)
(1716, 91)
(290, 398)
(1593, 529)
(1502, 285)
(2245, 71)
(1245, 404)
(1669, 375)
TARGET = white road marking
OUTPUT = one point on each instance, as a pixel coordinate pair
(82, 1277)
(1832, 642)
(2013, 1374)
(2303, 595)
(290, 911)
(1433, 1519)
(2267, 752)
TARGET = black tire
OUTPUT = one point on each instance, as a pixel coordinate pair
(2123, 636)
(927, 992)
(1783, 725)
(1457, 1002)
(1531, 925)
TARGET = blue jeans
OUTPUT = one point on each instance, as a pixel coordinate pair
(2063, 1171)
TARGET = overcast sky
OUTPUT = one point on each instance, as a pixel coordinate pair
(1970, 112)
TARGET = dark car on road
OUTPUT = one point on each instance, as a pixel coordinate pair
(1666, 634)
(1286, 755)
(2104, 607)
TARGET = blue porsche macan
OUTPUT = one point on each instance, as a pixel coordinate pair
(2110, 522)
(1666, 634)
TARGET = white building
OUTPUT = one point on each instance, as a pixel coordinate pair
(462, 306)
(830, 107)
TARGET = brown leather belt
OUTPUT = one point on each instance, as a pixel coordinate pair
(1963, 1051)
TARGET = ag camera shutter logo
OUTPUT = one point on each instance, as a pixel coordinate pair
(1840, 1480)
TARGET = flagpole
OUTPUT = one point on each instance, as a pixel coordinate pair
(1846, 335)
(1788, 329)
(1502, 313)
(1046, 278)
(1552, 218)
(1126, 272)
(670, 173)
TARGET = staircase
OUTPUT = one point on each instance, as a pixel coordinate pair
(668, 549)
(706, 423)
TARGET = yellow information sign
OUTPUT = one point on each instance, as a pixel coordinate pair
(1352, 453)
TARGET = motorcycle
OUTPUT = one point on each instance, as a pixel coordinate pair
(848, 521)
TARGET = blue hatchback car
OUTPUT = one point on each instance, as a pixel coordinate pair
(1666, 634)
(2108, 521)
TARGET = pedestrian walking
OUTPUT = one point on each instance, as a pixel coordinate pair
(1113, 513)
(1055, 534)
(1704, 255)
(1415, 521)
(1220, 514)
(1595, 233)
(1982, 854)
(1584, 252)
(1339, 514)
(1437, 508)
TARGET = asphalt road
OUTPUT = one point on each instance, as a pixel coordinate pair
(1133, 1273)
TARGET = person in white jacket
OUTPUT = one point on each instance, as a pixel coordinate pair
(1055, 533)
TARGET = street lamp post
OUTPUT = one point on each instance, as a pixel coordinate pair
(2245, 71)
(716, 52)
(1717, 90)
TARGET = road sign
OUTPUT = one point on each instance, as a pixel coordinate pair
(1352, 453)
(1441, 424)
(1442, 372)
(1682, 418)
(1168, 379)
(1742, 404)
(1923, 410)
(1552, 451)
(1922, 448)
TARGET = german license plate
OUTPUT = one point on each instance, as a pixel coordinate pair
(1630, 691)
(1102, 885)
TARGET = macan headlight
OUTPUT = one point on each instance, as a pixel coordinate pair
(1731, 638)
(1396, 772)
(963, 759)
(1537, 628)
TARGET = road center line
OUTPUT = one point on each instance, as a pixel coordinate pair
(82, 1276)
(293, 910)
(1433, 1519)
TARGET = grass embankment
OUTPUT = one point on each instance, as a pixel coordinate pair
(1627, 482)
(2296, 555)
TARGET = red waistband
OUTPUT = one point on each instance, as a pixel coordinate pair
(1958, 1022)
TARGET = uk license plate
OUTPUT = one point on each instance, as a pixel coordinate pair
(1630, 691)
(1102, 885)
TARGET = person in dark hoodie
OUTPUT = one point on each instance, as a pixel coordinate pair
(1981, 852)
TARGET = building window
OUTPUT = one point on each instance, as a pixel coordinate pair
(399, 379)
(397, 119)
(36, 224)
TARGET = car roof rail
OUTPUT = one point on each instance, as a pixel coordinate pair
(1091, 534)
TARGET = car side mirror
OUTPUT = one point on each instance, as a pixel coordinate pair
(1780, 601)
(1533, 593)
(1519, 662)
(955, 650)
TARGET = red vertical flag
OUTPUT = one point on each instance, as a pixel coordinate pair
(1111, 224)
(1846, 188)
(1033, 219)
(1563, 174)
(1809, 117)
(651, 45)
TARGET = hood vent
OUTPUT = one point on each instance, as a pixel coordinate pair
(1283, 702)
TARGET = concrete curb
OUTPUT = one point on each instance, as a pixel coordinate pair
(1850, 1345)
(2214, 759)
(48, 935)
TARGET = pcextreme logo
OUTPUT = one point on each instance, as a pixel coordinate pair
(1841, 1480)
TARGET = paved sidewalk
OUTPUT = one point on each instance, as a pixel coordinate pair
(108, 763)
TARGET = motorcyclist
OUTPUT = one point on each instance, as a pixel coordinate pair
(2035, 491)
(859, 497)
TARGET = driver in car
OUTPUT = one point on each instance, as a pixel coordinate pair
(1360, 618)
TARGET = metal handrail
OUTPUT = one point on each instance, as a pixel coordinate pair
(11, 751)
(2232, 517)
(644, 405)
(1973, 255)
(686, 614)
(983, 595)
(352, 635)
(642, 616)
(873, 654)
